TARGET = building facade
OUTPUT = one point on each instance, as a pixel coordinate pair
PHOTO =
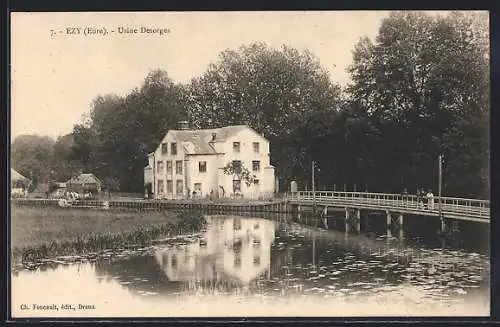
(190, 163)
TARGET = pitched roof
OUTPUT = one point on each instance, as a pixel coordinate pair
(198, 140)
(15, 176)
(41, 188)
(84, 179)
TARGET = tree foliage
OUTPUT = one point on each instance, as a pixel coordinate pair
(121, 131)
(31, 156)
(420, 88)
(273, 91)
(240, 172)
(423, 84)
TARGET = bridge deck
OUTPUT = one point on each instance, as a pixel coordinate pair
(454, 208)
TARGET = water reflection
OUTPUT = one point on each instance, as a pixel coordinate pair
(231, 248)
(244, 258)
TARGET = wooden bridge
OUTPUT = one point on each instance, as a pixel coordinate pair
(452, 208)
(444, 208)
(352, 203)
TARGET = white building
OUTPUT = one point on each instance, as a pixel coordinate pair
(193, 161)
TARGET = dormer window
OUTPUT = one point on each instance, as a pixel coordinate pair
(236, 147)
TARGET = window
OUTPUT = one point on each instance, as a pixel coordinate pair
(256, 165)
(197, 187)
(237, 260)
(169, 167)
(178, 167)
(202, 166)
(256, 182)
(236, 186)
(236, 147)
(237, 166)
(178, 187)
(159, 166)
(174, 261)
(173, 149)
(170, 186)
(237, 223)
(164, 148)
(256, 226)
(256, 261)
(256, 148)
(160, 186)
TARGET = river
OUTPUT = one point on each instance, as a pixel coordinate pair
(246, 266)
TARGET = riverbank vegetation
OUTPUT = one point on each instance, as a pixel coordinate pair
(420, 88)
(38, 233)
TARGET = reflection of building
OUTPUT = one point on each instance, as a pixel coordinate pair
(237, 248)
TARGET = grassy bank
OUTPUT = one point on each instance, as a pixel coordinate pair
(38, 233)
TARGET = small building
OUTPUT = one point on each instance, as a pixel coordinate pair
(191, 162)
(84, 183)
(42, 190)
(19, 184)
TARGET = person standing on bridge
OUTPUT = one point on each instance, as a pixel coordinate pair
(404, 194)
(420, 201)
(430, 200)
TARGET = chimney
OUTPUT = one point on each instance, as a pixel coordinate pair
(183, 125)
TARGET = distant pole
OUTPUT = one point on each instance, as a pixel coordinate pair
(440, 159)
(153, 188)
(314, 249)
(313, 187)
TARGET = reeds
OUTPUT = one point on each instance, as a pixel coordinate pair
(66, 232)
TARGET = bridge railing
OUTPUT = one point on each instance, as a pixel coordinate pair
(448, 204)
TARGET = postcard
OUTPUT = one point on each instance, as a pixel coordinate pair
(250, 164)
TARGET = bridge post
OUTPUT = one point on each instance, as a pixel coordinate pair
(401, 230)
(389, 221)
(325, 218)
(347, 220)
(325, 222)
(358, 221)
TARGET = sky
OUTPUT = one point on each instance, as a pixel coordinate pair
(54, 78)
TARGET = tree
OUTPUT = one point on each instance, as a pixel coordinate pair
(423, 84)
(121, 131)
(240, 172)
(270, 90)
(31, 156)
(62, 165)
